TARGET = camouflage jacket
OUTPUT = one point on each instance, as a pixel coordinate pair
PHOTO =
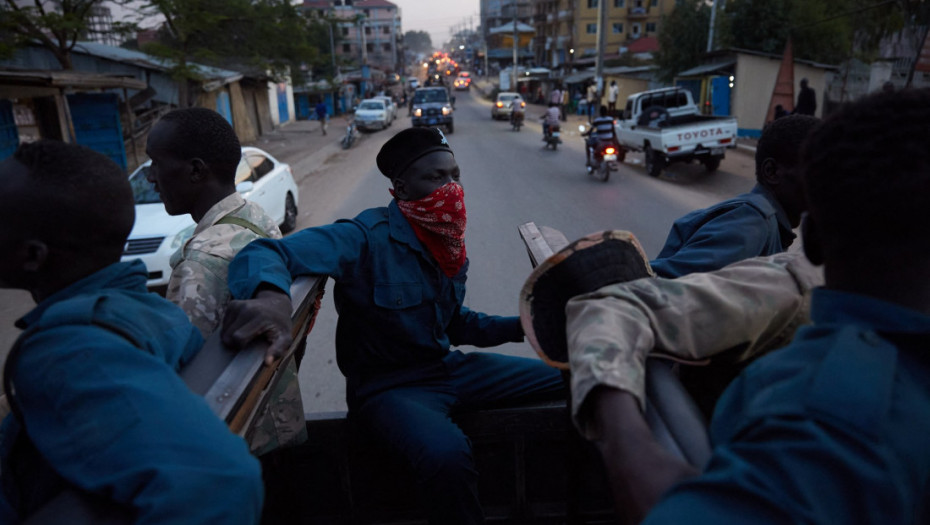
(758, 303)
(200, 266)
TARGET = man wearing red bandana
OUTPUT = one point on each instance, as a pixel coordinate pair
(400, 286)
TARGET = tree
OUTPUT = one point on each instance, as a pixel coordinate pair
(418, 41)
(56, 24)
(262, 35)
(683, 38)
(828, 31)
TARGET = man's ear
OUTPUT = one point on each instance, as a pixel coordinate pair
(813, 246)
(33, 255)
(199, 169)
(400, 188)
(769, 173)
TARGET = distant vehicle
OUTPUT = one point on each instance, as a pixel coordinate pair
(462, 83)
(372, 113)
(413, 83)
(155, 236)
(503, 106)
(666, 125)
(391, 106)
(432, 107)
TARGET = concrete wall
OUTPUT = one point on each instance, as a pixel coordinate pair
(754, 84)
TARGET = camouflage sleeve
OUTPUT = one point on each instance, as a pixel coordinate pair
(758, 302)
(200, 292)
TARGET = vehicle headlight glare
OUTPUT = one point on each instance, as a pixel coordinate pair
(418, 112)
(446, 110)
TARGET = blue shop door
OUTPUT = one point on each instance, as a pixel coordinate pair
(222, 106)
(330, 104)
(303, 107)
(283, 114)
(720, 95)
(97, 124)
(9, 136)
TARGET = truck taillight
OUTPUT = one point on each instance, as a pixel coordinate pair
(726, 141)
(674, 149)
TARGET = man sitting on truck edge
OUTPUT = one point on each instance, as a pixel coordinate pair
(97, 405)
(400, 277)
(830, 428)
(195, 154)
(749, 225)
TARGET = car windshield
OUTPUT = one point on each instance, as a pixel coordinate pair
(143, 191)
(431, 95)
(371, 104)
(507, 98)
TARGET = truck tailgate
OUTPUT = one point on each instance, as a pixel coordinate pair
(680, 140)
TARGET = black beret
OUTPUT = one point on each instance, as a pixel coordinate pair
(406, 147)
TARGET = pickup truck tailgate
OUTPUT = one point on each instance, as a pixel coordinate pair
(708, 135)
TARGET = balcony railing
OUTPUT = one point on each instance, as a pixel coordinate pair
(637, 12)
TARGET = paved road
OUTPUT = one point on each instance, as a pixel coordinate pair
(510, 179)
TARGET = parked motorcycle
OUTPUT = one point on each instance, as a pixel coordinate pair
(517, 115)
(605, 156)
(351, 135)
(552, 136)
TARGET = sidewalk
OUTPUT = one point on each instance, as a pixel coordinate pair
(301, 144)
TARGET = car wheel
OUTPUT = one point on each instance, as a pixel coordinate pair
(712, 164)
(290, 214)
(654, 162)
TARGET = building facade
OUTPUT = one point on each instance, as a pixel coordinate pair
(367, 32)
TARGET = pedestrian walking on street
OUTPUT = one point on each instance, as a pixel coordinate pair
(321, 115)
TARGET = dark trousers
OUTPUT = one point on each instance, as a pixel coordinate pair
(413, 421)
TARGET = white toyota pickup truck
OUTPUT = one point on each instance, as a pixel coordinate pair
(667, 126)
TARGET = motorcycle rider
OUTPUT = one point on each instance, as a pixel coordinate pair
(551, 119)
(601, 130)
(517, 113)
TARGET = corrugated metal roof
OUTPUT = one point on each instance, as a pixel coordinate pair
(708, 68)
(71, 79)
(140, 59)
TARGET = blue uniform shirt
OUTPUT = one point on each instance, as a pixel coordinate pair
(95, 379)
(750, 225)
(398, 312)
(831, 429)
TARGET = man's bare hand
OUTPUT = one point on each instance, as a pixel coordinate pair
(267, 316)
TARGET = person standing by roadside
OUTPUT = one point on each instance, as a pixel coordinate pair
(563, 107)
(807, 100)
(321, 115)
(592, 99)
(612, 95)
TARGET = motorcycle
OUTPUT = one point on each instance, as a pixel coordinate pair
(552, 136)
(517, 115)
(605, 156)
(351, 135)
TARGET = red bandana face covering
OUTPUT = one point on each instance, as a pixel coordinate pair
(439, 222)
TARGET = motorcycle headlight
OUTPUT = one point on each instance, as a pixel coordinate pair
(182, 236)
(446, 110)
(418, 112)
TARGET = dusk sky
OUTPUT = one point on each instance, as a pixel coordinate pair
(437, 16)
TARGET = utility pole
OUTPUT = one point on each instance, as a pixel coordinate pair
(710, 33)
(513, 74)
(601, 44)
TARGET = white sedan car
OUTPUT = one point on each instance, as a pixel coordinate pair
(391, 106)
(372, 113)
(156, 235)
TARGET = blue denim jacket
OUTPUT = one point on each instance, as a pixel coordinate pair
(104, 410)
(398, 312)
(830, 429)
(750, 225)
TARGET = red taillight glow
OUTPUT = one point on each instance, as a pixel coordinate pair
(674, 148)
(610, 151)
(500, 104)
(725, 141)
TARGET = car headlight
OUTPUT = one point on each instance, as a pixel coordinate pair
(182, 236)
(446, 110)
(418, 112)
